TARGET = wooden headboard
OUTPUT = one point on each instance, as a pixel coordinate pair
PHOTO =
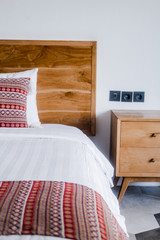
(66, 87)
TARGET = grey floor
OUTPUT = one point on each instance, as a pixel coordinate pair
(141, 208)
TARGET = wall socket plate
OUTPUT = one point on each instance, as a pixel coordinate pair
(138, 96)
(126, 97)
(114, 96)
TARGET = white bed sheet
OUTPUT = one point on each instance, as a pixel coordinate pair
(55, 152)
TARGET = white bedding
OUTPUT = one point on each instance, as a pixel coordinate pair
(55, 152)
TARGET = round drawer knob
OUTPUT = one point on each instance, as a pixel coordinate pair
(152, 160)
(153, 135)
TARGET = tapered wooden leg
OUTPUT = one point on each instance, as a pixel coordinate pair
(115, 181)
(124, 185)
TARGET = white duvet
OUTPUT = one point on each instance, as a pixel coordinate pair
(55, 152)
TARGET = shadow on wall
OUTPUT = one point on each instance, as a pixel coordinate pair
(102, 138)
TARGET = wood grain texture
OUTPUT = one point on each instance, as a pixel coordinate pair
(136, 115)
(127, 180)
(77, 119)
(139, 134)
(72, 78)
(123, 188)
(137, 162)
(63, 100)
(48, 43)
(135, 146)
(115, 142)
(66, 78)
(93, 92)
(30, 56)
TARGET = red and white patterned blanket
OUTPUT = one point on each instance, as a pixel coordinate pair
(58, 209)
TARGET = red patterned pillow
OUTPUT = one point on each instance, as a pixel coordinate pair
(13, 101)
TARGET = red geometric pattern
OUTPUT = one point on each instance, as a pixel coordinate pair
(58, 209)
(101, 218)
(30, 206)
(11, 106)
(68, 215)
(56, 227)
(13, 97)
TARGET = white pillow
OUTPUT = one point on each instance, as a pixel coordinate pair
(32, 112)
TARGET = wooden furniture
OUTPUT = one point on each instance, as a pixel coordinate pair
(66, 87)
(135, 146)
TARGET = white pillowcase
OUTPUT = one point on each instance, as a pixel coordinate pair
(32, 112)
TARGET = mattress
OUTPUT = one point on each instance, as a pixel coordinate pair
(56, 153)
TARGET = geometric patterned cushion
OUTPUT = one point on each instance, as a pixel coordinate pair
(13, 100)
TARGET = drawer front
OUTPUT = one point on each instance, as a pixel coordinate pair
(140, 160)
(140, 134)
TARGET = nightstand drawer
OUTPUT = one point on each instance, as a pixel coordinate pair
(140, 134)
(140, 160)
(135, 146)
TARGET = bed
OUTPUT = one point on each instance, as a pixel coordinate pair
(54, 182)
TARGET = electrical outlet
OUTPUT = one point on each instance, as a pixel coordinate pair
(126, 97)
(114, 96)
(138, 97)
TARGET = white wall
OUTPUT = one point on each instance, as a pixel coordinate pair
(128, 36)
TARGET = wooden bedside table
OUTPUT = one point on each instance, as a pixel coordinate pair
(135, 146)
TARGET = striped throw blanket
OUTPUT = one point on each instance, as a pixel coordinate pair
(55, 208)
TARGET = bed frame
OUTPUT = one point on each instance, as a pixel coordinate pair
(66, 87)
